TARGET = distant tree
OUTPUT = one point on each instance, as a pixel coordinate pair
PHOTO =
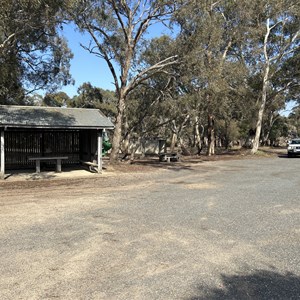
(294, 121)
(94, 97)
(33, 99)
(32, 53)
(117, 30)
(58, 99)
(279, 129)
(88, 96)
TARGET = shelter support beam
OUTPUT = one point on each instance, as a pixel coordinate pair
(99, 149)
(2, 154)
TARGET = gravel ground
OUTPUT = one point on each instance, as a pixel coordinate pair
(212, 230)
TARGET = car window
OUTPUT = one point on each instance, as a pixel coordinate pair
(295, 142)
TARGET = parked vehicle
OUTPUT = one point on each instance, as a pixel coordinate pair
(293, 148)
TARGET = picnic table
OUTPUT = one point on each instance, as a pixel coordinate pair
(38, 160)
(168, 157)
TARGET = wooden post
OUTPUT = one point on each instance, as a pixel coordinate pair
(58, 165)
(2, 154)
(99, 150)
(38, 166)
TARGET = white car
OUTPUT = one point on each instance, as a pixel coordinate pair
(293, 148)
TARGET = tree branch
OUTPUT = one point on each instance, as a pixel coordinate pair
(106, 58)
(7, 40)
(150, 71)
(115, 7)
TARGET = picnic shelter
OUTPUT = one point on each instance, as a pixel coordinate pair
(30, 135)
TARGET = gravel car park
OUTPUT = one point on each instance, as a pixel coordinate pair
(209, 230)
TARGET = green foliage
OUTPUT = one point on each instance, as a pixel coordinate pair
(59, 99)
(228, 132)
(220, 72)
(33, 56)
(294, 122)
(279, 129)
(33, 100)
(93, 97)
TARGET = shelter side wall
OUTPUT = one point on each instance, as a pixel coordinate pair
(149, 146)
(21, 144)
(85, 145)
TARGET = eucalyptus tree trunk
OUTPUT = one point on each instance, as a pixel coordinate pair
(268, 130)
(183, 148)
(264, 93)
(210, 135)
(126, 139)
(114, 155)
(173, 142)
(198, 136)
(176, 134)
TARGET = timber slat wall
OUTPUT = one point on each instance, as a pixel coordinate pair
(19, 145)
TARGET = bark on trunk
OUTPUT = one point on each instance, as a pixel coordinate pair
(258, 127)
(126, 141)
(211, 135)
(198, 136)
(183, 148)
(264, 94)
(173, 142)
(114, 156)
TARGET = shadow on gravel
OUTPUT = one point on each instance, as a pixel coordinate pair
(173, 166)
(260, 285)
(285, 156)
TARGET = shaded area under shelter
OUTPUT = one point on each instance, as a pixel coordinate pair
(29, 133)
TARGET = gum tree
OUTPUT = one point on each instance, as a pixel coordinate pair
(271, 39)
(33, 55)
(208, 31)
(117, 31)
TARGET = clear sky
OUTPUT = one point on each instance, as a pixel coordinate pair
(86, 67)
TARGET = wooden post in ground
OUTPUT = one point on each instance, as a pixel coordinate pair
(99, 150)
(2, 154)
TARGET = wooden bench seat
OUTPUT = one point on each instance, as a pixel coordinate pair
(38, 160)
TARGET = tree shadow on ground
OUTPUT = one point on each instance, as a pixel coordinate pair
(41, 176)
(186, 162)
(274, 151)
(260, 285)
(153, 162)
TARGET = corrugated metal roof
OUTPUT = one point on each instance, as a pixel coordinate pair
(52, 117)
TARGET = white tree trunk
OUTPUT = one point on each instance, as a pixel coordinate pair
(173, 142)
(198, 136)
(264, 93)
(211, 136)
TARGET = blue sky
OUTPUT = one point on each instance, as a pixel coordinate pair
(86, 67)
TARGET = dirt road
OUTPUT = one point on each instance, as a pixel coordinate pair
(216, 230)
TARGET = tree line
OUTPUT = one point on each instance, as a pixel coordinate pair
(222, 74)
